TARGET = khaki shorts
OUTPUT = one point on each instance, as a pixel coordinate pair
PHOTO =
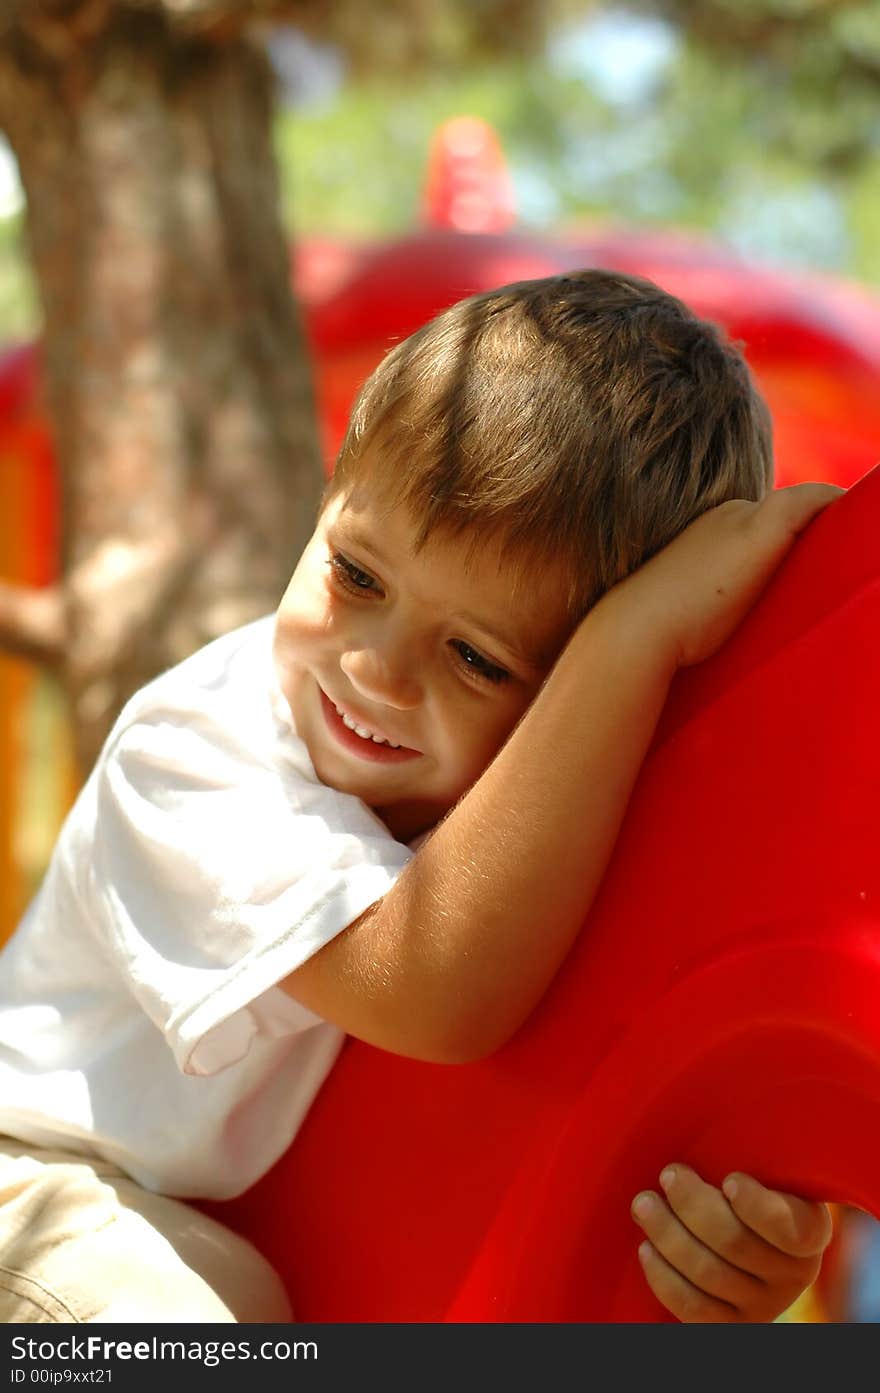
(81, 1242)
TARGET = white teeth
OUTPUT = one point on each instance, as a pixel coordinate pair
(362, 730)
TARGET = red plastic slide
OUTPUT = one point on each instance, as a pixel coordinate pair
(722, 1007)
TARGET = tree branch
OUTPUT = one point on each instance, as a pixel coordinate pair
(33, 623)
(59, 27)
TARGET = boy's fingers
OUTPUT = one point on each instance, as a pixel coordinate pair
(680, 1296)
(701, 1265)
(707, 1214)
(799, 503)
(799, 1227)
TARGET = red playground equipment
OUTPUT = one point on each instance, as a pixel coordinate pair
(723, 1006)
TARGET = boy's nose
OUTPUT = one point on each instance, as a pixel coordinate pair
(375, 677)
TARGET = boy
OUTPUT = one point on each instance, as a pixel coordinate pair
(387, 812)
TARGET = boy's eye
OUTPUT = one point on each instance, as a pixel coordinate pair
(477, 664)
(351, 576)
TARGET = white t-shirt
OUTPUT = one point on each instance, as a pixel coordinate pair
(140, 1018)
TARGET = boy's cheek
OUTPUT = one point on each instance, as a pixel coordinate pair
(475, 760)
(293, 632)
(293, 643)
(304, 616)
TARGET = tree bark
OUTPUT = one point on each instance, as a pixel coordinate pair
(176, 372)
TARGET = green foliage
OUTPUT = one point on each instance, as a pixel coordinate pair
(356, 166)
(820, 60)
(19, 313)
(718, 146)
(864, 211)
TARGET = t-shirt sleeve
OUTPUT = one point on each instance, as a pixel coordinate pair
(212, 877)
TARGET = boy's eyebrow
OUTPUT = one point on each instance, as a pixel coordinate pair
(353, 534)
(534, 660)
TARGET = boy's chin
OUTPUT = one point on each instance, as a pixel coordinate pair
(407, 821)
(369, 782)
(383, 788)
(405, 818)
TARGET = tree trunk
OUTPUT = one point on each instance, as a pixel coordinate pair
(176, 372)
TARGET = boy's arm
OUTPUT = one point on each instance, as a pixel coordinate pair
(453, 958)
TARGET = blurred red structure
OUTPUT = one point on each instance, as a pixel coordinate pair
(813, 343)
(29, 555)
(467, 187)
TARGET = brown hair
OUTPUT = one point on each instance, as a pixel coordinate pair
(590, 416)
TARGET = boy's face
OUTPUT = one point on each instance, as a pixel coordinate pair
(431, 659)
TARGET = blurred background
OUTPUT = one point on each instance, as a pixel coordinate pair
(754, 121)
(216, 215)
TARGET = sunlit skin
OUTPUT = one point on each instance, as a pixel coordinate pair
(423, 648)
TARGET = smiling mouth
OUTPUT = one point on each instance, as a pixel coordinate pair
(360, 740)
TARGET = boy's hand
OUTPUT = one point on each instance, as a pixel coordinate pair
(739, 1254)
(697, 589)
